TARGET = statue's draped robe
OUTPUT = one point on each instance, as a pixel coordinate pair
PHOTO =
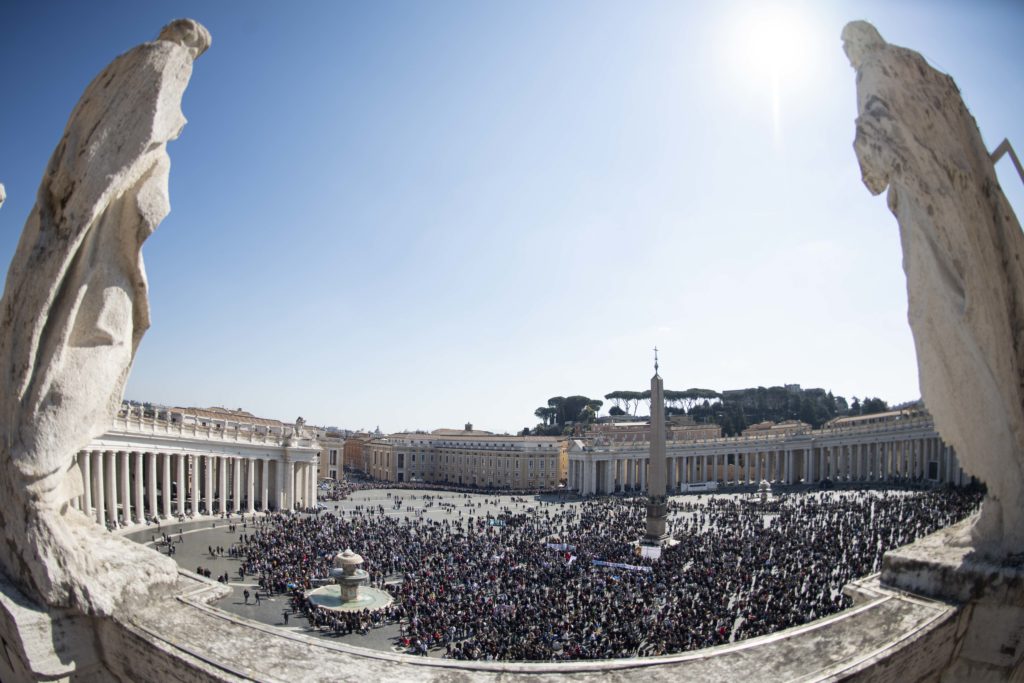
(74, 310)
(962, 251)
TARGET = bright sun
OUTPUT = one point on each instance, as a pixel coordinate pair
(773, 41)
(772, 51)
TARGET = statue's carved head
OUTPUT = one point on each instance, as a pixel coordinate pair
(860, 39)
(187, 33)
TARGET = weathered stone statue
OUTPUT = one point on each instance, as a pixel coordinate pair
(962, 251)
(74, 310)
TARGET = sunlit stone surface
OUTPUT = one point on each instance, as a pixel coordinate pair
(962, 250)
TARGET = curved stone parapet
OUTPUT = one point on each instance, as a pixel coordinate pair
(888, 635)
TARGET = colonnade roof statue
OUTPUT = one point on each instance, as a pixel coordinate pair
(74, 310)
(962, 251)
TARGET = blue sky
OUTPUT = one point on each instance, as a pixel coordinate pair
(416, 214)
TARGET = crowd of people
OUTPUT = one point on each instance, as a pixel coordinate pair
(356, 481)
(523, 585)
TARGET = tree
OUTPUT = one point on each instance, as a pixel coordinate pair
(616, 411)
(871, 406)
(561, 410)
(855, 408)
(579, 409)
(555, 403)
(628, 399)
(546, 414)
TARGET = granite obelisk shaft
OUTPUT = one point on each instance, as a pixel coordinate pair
(657, 509)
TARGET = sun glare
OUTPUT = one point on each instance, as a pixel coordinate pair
(773, 41)
(772, 52)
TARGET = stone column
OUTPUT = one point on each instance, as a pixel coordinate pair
(642, 463)
(99, 486)
(140, 515)
(236, 503)
(85, 460)
(302, 469)
(166, 486)
(311, 501)
(222, 486)
(151, 483)
(265, 485)
(671, 475)
(208, 484)
(182, 462)
(111, 472)
(126, 487)
(289, 487)
(193, 460)
(250, 485)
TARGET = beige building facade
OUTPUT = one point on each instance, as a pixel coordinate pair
(897, 446)
(332, 453)
(469, 458)
(354, 452)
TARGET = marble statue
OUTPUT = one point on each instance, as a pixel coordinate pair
(3, 194)
(962, 251)
(74, 310)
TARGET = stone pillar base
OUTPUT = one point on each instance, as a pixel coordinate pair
(989, 644)
(657, 521)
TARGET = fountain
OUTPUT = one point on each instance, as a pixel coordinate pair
(349, 591)
(764, 489)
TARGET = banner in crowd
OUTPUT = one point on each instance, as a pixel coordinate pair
(561, 546)
(619, 565)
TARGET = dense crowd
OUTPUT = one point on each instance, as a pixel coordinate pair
(340, 490)
(524, 586)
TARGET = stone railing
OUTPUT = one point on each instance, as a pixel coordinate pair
(893, 427)
(132, 423)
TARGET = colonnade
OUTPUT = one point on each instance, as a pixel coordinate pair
(130, 487)
(923, 458)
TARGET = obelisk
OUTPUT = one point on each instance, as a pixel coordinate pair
(657, 507)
